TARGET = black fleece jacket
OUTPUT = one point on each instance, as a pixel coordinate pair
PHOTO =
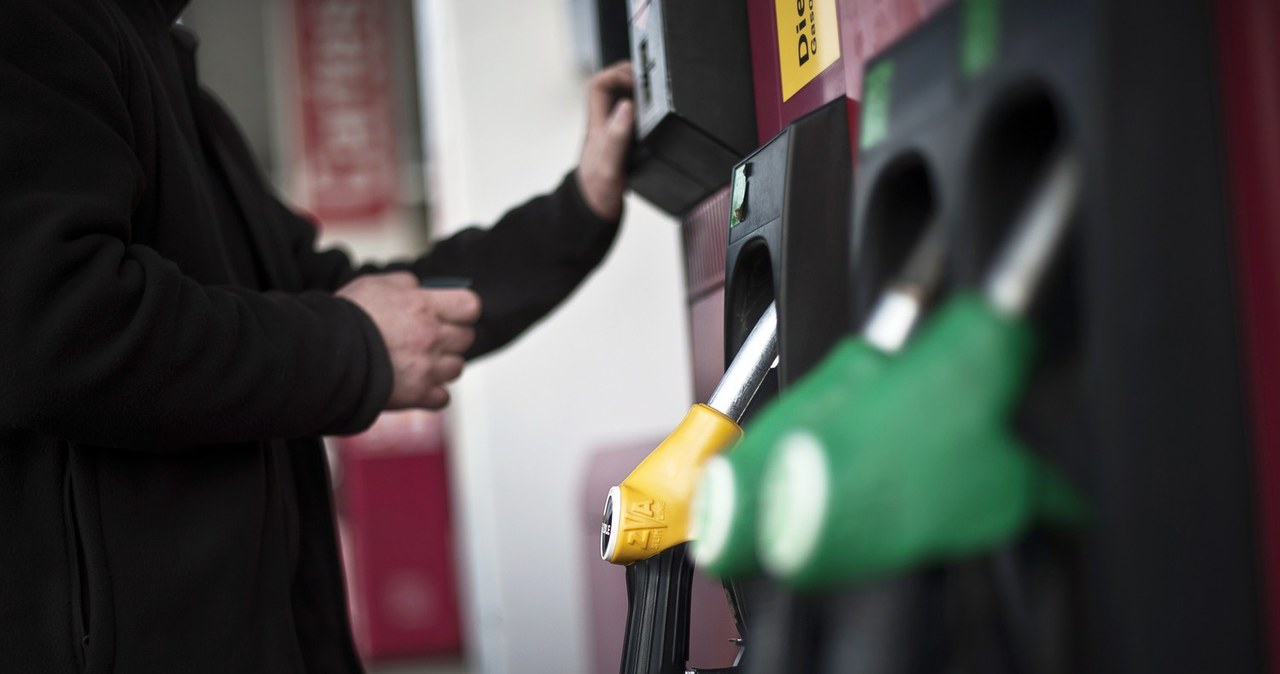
(170, 351)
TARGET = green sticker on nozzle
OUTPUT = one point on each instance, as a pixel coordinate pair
(738, 200)
(875, 104)
(981, 37)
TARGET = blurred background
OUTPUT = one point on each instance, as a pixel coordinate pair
(468, 538)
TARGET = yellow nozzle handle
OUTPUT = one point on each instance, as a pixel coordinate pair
(649, 511)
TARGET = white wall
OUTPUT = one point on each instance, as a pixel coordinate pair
(506, 111)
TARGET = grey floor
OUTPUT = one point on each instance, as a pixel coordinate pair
(438, 666)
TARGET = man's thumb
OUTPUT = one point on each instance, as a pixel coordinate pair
(620, 120)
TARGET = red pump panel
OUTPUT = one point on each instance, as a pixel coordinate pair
(865, 27)
(393, 495)
(1249, 59)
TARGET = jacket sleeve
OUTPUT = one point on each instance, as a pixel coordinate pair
(522, 267)
(526, 264)
(104, 341)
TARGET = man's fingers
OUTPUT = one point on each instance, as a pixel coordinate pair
(458, 306)
(454, 339)
(616, 141)
(607, 86)
(436, 398)
(401, 279)
(620, 121)
(618, 71)
(617, 78)
(426, 331)
(446, 369)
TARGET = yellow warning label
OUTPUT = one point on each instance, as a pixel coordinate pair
(808, 41)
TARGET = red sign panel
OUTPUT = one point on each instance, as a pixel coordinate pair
(1249, 62)
(345, 137)
(866, 27)
(398, 538)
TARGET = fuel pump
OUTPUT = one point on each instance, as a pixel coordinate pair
(1139, 366)
(789, 209)
(878, 629)
(1141, 386)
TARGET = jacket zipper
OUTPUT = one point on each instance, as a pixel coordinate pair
(79, 575)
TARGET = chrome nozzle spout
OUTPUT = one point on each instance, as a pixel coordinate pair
(744, 376)
(1026, 256)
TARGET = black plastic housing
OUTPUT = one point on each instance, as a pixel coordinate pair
(613, 34)
(658, 595)
(695, 112)
(789, 240)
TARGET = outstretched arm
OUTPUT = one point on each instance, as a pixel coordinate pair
(536, 254)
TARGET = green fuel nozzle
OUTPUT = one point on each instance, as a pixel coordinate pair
(920, 466)
(727, 505)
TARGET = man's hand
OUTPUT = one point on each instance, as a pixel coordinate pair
(426, 332)
(602, 177)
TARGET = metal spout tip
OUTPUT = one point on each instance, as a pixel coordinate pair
(892, 319)
(1038, 232)
(901, 305)
(744, 376)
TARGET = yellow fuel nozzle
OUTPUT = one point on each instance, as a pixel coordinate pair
(649, 511)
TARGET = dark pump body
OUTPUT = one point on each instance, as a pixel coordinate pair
(788, 240)
(1139, 392)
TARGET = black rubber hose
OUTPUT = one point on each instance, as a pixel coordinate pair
(658, 598)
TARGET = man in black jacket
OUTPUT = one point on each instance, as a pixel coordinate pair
(172, 346)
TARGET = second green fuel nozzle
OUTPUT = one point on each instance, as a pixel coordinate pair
(923, 467)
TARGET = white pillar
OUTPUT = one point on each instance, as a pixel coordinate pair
(505, 107)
